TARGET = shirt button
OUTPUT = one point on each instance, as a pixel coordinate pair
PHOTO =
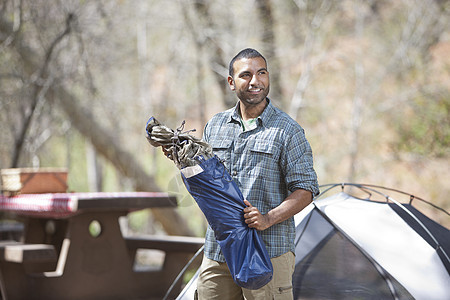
(234, 173)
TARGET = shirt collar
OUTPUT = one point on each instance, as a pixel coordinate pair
(263, 118)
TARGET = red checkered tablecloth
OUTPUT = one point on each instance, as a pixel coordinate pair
(45, 205)
(60, 205)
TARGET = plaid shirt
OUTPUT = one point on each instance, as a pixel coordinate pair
(267, 163)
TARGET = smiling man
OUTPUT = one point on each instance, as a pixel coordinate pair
(268, 156)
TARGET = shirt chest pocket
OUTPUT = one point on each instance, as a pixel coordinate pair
(264, 158)
(222, 148)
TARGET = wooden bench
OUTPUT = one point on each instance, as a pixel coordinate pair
(178, 251)
(11, 231)
(16, 252)
(17, 258)
(165, 243)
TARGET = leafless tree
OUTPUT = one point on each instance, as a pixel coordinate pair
(103, 141)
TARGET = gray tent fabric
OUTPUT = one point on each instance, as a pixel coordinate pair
(352, 248)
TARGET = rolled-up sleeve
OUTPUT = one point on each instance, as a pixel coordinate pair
(297, 158)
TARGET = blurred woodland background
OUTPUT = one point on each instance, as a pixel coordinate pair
(368, 80)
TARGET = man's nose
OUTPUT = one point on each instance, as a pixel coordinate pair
(254, 80)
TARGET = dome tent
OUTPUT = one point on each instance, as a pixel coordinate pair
(354, 248)
(371, 250)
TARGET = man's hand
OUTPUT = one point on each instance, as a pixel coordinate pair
(294, 203)
(254, 218)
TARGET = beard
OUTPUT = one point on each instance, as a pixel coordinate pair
(251, 99)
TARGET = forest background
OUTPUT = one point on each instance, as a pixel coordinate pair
(369, 81)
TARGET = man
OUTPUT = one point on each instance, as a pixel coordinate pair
(269, 158)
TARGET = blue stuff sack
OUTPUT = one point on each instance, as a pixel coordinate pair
(222, 203)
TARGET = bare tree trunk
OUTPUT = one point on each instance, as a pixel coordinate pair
(201, 85)
(310, 45)
(199, 40)
(203, 40)
(358, 101)
(103, 141)
(94, 169)
(39, 90)
(269, 48)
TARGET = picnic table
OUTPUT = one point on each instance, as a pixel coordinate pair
(61, 258)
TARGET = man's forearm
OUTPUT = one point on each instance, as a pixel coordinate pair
(293, 204)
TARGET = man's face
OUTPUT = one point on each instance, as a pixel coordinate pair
(250, 80)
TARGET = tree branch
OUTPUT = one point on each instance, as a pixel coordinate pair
(39, 92)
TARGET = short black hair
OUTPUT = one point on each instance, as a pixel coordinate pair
(246, 53)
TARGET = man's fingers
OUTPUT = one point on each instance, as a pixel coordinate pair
(246, 202)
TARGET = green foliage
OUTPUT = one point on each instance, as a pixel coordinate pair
(77, 164)
(138, 220)
(424, 128)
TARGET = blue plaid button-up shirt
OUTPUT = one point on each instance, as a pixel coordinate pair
(267, 163)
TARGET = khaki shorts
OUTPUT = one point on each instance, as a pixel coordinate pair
(215, 281)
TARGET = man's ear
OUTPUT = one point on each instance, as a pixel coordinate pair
(231, 83)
